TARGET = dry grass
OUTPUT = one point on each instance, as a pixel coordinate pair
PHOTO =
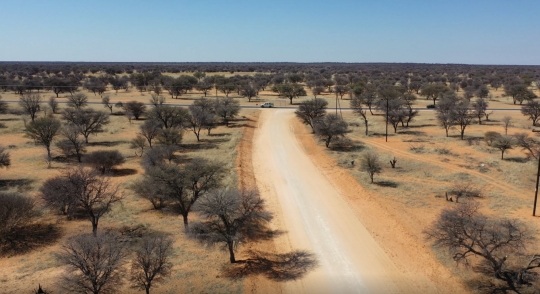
(196, 269)
(428, 164)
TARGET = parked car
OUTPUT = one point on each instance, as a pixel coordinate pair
(267, 105)
(431, 106)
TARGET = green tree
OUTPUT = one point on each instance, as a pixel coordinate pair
(290, 91)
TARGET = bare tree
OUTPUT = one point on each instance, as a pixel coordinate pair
(30, 102)
(170, 182)
(72, 144)
(138, 143)
(43, 130)
(53, 104)
(149, 130)
(308, 111)
(409, 113)
(503, 143)
(330, 126)
(106, 101)
(87, 121)
(465, 233)
(202, 176)
(77, 101)
(507, 121)
(152, 261)
(157, 100)
(169, 116)
(230, 217)
(94, 194)
(104, 160)
(5, 160)
(480, 106)
(464, 189)
(200, 118)
(462, 116)
(94, 264)
(532, 110)
(356, 104)
(371, 164)
(528, 144)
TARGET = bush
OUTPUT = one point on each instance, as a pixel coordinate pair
(489, 137)
(16, 211)
(104, 160)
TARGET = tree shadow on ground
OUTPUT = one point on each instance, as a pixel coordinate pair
(107, 143)
(414, 133)
(247, 125)
(517, 159)
(390, 134)
(388, 184)
(276, 267)
(421, 126)
(199, 146)
(120, 172)
(29, 238)
(19, 184)
(219, 135)
(216, 140)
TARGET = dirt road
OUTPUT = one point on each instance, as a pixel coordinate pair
(316, 218)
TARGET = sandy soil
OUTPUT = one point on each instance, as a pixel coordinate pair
(318, 218)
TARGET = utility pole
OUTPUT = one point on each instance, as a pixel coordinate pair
(387, 119)
(536, 188)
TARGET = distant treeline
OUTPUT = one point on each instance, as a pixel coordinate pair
(422, 69)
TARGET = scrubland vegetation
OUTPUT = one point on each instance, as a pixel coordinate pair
(97, 161)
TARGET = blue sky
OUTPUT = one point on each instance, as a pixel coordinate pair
(475, 32)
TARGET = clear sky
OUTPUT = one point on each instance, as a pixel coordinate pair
(427, 31)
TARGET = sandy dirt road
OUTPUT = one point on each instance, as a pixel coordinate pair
(316, 218)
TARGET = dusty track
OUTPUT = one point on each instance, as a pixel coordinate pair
(317, 218)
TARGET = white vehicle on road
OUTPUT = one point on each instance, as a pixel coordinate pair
(267, 104)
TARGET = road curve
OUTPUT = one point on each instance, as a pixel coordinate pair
(316, 218)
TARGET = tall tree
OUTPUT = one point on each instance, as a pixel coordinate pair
(356, 104)
(308, 111)
(532, 110)
(226, 108)
(152, 262)
(249, 92)
(43, 130)
(30, 102)
(200, 118)
(169, 116)
(230, 217)
(78, 101)
(94, 264)
(329, 127)
(87, 121)
(498, 243)
(290, 91)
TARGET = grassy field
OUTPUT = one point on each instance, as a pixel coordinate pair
(196, 269)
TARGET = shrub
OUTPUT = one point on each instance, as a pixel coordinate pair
(104, 160)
